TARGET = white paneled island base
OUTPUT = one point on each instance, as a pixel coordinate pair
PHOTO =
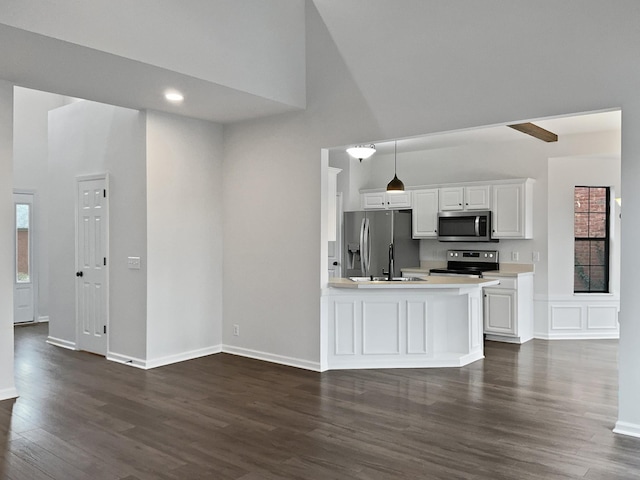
(432, 323)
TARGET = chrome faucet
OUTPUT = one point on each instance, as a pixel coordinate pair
(391, 262)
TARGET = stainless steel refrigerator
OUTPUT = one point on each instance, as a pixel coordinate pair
(367, 236)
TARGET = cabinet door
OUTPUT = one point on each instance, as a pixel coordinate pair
(451, 198)
(500, 311)
(425, 213)
(508, 211)
(477, 197)
(374, 201)
(399, 200)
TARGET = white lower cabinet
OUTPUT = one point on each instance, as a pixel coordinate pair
(508, 309)
(500, 311)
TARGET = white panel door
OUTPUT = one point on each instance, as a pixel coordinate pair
(24, 272)
(91, 271)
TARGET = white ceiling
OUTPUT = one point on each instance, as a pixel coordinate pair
(42, 63)
(562, 126)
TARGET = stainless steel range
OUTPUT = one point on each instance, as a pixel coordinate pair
(468, 263)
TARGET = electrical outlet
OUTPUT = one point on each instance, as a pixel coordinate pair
(133, 263)
(535, 256)
(236, 330)
(515, 256)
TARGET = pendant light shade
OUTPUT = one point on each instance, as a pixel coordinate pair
(361, 152)
(395, 185)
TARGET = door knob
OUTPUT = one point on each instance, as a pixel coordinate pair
(79, 274)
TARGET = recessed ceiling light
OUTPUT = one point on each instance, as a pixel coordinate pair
(174, 97)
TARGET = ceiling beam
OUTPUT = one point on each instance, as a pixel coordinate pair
(535, 131)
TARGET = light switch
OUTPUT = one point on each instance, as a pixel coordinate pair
(133, 263)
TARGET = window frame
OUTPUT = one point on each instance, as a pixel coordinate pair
(606, 240)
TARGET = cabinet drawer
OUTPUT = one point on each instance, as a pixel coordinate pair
(505, 282)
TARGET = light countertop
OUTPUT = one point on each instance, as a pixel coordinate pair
(506, 269)
(430, 283)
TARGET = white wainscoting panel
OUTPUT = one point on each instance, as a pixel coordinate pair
(602, 317)
(417, 327)
(566, 317)
(380, 327)
(578, 317)
(345, 327)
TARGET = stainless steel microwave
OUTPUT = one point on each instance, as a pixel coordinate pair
(465, 226)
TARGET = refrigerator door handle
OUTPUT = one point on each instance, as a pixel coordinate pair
(367, 241)
(362, 247)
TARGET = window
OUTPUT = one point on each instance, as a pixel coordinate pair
(591, 240)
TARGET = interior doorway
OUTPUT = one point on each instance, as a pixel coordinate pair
(92, 297)
(24, 275)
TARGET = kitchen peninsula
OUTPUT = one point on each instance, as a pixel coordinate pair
(426, 323)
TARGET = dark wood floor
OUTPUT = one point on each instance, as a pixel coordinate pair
(543, 410)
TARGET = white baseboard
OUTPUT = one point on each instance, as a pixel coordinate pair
(578, 336)
(270, 357)
(126, 360)
(161, 361)
(8, 393)
(182, 357)
(43, 319)
(58, 342)
(626, 428)
(343, 362)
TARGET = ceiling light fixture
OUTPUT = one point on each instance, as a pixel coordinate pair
(396, 184)
(175, 97)
(362, 152)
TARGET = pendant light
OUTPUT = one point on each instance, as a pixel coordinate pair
(362, 152)
(396, 184)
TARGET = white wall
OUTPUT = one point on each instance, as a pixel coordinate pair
(254, 46)
(7, 385)
(88, 138)
(184, 230)
(561, 313)
(423, 86)
(30, 171)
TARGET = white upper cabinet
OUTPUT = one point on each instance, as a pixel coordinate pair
(452, 198)
(373, 201)
(476, 197)
(513, 210)
(384, 200)
(425, 213)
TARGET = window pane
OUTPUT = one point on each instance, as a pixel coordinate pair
(581, 225)
(597, 279)
(598, 200)
(22, 243)
(581, 279)
(582, 252)
(597, 225)
(581, 203)
(598, 254)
